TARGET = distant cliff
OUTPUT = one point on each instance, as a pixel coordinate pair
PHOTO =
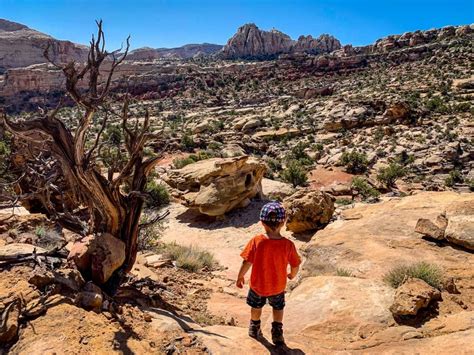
(251, 42)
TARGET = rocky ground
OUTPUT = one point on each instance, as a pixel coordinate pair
(383, 135)
(327, 312)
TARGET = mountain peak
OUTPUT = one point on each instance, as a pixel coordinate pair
(10, 26)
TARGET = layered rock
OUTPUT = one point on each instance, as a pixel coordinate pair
(219, 185)
(184, 52)
(251, 42)
(413, 295)
(21, 46)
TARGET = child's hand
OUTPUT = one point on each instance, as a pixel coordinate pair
(291, 276)
(240, 282)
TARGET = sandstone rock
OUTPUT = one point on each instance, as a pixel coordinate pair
(21, 46)
(413, 295)
(250, 41)
(232, 150)
(107, 255)
(216, 186)
(9, 322)
(460, 231)
(276, 190)
(99, 256)
(308, 210)
(15, 250)
(434, 230)
(90, 298)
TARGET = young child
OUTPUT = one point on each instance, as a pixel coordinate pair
(269, 255)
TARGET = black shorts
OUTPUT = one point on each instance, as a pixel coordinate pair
(256, 301)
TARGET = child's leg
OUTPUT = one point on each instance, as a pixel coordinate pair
(255, 313)
(277, 315)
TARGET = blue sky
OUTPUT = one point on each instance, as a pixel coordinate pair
(167, 23)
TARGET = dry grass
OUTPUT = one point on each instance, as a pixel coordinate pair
(427, 272)
(189, 258)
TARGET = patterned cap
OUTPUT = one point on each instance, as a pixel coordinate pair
(273, 212)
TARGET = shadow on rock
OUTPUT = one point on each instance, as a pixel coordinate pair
(279, 350)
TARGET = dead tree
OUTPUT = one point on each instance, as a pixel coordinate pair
(98, 192)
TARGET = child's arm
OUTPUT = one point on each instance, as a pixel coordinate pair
(243, 270)
(293, 272)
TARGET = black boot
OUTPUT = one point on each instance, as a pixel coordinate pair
(254, 329)
(277, 333)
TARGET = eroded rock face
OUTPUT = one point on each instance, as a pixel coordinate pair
(413, 295)
(250, 41)
(21, 46)
(308, 210)
(216, 186)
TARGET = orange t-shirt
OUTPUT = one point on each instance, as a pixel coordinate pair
(270, 259)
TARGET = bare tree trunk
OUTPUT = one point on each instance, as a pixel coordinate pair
(109, 209)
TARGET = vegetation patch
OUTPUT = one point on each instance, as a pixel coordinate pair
(427, 272)
(354, 161)
(189, 258)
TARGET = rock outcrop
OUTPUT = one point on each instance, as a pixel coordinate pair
(413, 295)
(216, 186)
(21, 46)
(456, 225)
(308, 210)
(184, 52)
(251, 42)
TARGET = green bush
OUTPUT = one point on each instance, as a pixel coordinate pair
(429, 273)
(364, 188)
(158, 195)
(454, 177)
(113, 134)
(294, 174)
(344, 272)
(187, 142)
(298, 153)
(193, 158)
(354, 161)
(388, 175)
(190, 258)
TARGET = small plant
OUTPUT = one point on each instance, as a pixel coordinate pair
(187, 142)
(158, 195)
(427, 272)
(454, 177)
(344, 272)
(354, 161)
(294, 174)
(343, 201)
(388, 175)
(298, 153)
(364, 188)
(189, 258)
(40, 231)
(193, 158)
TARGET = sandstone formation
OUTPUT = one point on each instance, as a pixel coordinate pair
(456, 225)
(184, 52)
(251, 42)
(308, 210)
(216, 186)
(413, 295)
(21, 46)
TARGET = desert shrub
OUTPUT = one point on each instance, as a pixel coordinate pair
(150, 235)
(187, 142)
(427, 272)
(158, 195)
(405, 159)
(354, 161)
(190, 258)
(298, 153)
(343, 201)
(437, 104)
(181, 163)
(294, 174)
(114, 134)
(454, 177)
(389, 174)
(364, 188)
(344, 272)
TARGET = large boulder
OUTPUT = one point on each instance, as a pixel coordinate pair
(432, 229)
(219, 185)
(460, 231)
(413, 295)
(308, 210)
(98, 256)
